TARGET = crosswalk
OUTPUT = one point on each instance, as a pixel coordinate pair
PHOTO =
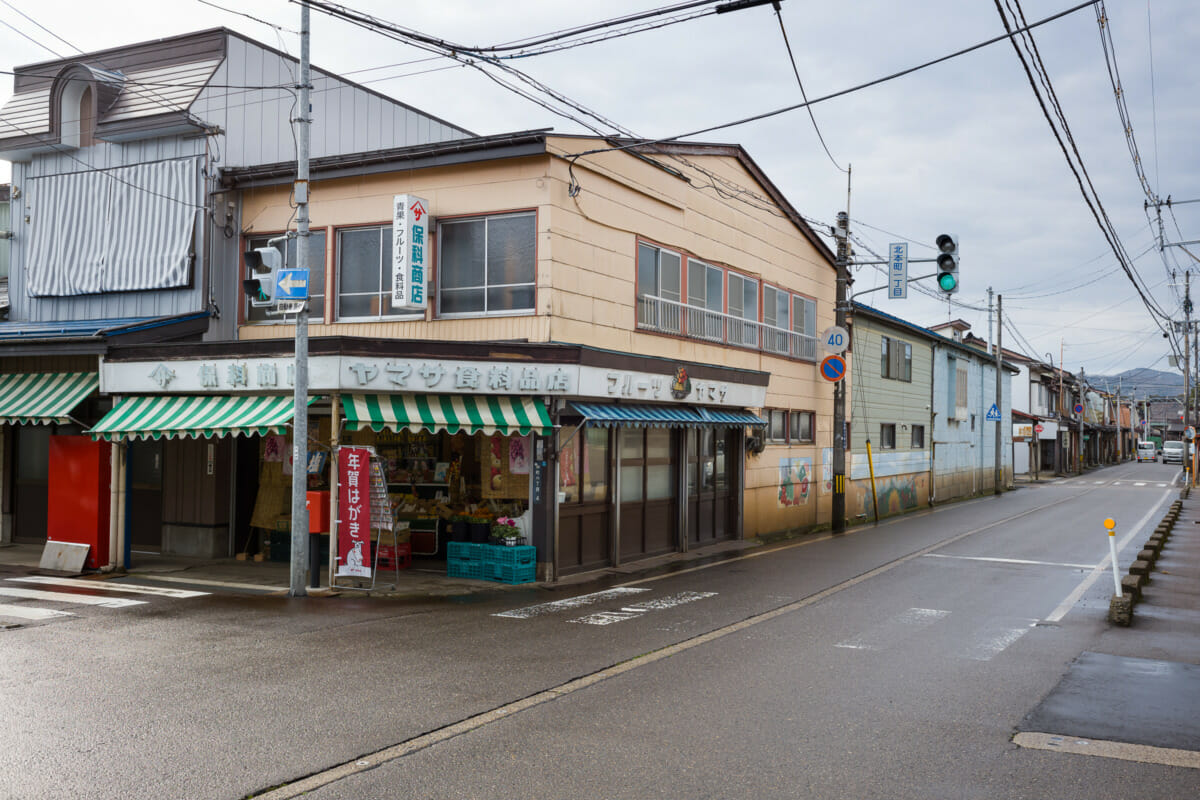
(985, 639)
(1118, 482)
(41, 598)
(617, 597)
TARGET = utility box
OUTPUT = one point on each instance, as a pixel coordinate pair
(78, 495)
(318, 512)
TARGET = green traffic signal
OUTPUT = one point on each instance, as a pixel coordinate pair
(947, 282)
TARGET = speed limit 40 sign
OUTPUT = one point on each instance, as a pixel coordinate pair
(835, 339)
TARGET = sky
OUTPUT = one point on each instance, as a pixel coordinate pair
(960, 147)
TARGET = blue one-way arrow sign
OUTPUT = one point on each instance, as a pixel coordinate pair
(292, 284)
(993, 414)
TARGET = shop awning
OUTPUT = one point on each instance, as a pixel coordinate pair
(716, 416)
(191, 416)
(606, 415)
(446, 412)
(44, 397)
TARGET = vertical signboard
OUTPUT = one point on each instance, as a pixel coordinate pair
(898, 270)
(410, 246)
(354, 511)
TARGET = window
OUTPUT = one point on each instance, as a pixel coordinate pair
(887, 436)
(365, 274)
(804, 322)
(583, 465)
(658, 289)
(706, 292)
(487, 265)
(743, 304)
(776, 308)
(795, 427)
(316, 275)
(896, 359)
(918, 437)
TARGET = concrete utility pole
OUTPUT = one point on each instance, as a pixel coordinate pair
(842, 234)
(999, 476)
(1187, 348)
(300, 393)
(1082, 413)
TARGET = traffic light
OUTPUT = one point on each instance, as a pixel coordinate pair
(947, 263)
(264, 264)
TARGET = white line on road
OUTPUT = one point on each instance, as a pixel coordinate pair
(1013, 561)
(1073, 598)
(898, 627)
(638, 609)
(30, 612)
(990, 641)
(64, 597)
(111, 586)
(569, 603)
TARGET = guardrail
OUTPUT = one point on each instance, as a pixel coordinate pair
(671, 316)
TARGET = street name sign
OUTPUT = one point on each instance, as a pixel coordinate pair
(898, 270)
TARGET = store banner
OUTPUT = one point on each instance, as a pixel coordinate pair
(354, 511)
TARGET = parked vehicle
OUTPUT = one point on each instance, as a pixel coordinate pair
(1173, 452)
(1147, 451)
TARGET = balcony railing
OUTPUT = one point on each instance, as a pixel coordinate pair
(670, 316)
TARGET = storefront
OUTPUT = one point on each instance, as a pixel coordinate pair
(602, 458)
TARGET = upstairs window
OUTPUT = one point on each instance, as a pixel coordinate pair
(896, 361)
(365, 274)
(487, 265)
(658, 289)
(743, 305)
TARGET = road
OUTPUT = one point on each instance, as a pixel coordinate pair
(895, 661)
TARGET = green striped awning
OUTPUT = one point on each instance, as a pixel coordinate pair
(190, 417)
(46, 397)
(449, 412)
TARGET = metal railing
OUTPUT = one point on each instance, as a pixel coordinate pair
(671, 316)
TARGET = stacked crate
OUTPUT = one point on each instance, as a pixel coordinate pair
(489, 562)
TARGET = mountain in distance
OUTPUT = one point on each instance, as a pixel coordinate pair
(1140, 383)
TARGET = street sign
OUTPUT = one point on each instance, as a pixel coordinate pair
(1189, 433)
(292, 284)
(833, 368)
(1039, 427)
(1079, 408)
(993, 414)
(898, 270)
(835, 339)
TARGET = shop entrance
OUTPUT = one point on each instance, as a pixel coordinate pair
(648, 495)
(31, 483)
(709, 478)
(584, 540)
(145, 469)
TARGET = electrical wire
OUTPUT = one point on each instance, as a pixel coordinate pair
(803, 94)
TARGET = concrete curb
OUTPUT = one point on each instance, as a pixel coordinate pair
(1120, 607)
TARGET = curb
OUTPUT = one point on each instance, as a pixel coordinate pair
(1120, 607)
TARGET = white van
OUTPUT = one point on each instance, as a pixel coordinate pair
(1173, 452)
(1147, 451)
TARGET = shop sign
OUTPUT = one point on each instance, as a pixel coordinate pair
(354, 512)
(410, 224)
(348, 374)
(1023, 431)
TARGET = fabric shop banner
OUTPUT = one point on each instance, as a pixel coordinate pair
(354, 512)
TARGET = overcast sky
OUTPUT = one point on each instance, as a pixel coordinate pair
(960, 147)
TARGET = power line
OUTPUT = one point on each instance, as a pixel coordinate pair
(803, 94)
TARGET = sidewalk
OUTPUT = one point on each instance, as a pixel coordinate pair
(1167, 617)
(425, 578)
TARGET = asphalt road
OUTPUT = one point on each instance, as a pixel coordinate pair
(896, 661)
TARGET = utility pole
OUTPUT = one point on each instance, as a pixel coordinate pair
(999, 476)
(300, 393)
(842, 234)
(1082, 413)
(1187, 348)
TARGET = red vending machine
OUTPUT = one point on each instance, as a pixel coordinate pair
(79, 493)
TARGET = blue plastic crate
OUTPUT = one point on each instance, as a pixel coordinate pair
(465, 550)
(510, 556)
(465, 568)
(512, 574)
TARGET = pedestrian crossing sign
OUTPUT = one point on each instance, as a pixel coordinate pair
(993, 414)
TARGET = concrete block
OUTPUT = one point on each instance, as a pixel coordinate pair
(1148, 556)
(1131, 585)
(1120, 610)
(1139, 567)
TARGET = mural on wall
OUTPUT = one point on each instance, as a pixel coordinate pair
(795, 481)
(826, 470)
(896, 494)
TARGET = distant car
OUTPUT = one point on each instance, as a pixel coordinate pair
(1147, 451)
(1173, 452)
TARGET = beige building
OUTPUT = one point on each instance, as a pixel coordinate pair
(660, 304)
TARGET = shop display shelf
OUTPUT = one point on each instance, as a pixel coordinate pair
(509, 556)
(465, 550)
(465, 568)
(511, 573)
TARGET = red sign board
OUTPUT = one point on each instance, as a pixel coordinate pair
(1039, 428)
(354, 512)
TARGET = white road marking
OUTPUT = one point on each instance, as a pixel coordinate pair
(569, 603)
(1069, 602)
(1013, 561)
(1098, 483)
(638, 609)
(74, 599)
(111, 586)
(1140, 483)
(893, 630)
(31, 612)
(992, 640)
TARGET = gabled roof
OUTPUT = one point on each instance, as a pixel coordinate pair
(927, 334)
